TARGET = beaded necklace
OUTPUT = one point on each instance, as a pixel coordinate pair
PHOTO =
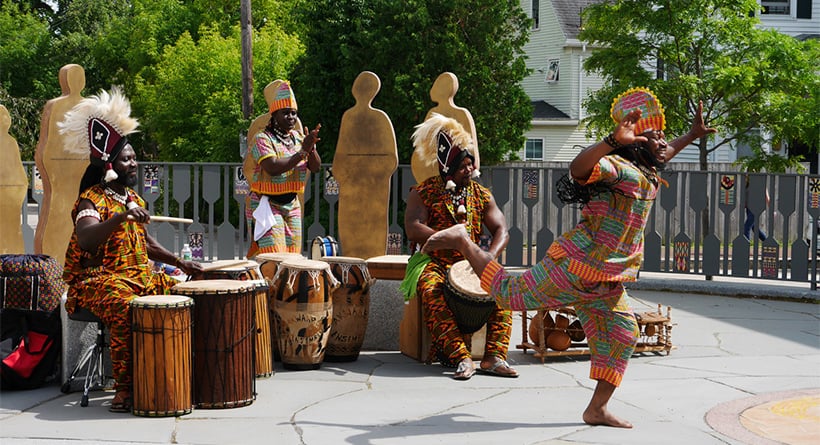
(459, 201)
(286, 138)
(120, 198)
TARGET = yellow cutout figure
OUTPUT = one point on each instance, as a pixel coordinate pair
(442, 93)
(60, 169)
(13, 185)
(366, 157)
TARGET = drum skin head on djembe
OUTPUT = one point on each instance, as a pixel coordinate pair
(470, 305)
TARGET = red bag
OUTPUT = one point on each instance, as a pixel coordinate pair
(29, 354)
(30, 347)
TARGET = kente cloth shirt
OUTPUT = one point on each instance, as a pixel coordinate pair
(292, 181)
(441, 212)
(607, 243)
(123, 255)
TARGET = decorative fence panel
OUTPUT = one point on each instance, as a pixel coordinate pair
(696, 225)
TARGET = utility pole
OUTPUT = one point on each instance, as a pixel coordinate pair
(247, 58)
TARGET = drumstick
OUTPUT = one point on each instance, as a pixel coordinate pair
(169, 219)
(223, 265)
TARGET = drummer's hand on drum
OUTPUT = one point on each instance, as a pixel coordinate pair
(449, 238)
(191, 268)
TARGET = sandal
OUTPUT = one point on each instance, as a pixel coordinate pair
(465, 370)
(493, 370)
(121, 403)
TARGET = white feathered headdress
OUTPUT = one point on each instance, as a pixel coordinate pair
(99, 124)
(442, 139)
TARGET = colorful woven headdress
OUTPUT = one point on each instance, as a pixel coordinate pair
(100, 124)
(443, 140)
(283, 98)
(652, 117)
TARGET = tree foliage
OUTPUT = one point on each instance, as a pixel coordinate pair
(408, 43)
(710, 50)
(192, 101)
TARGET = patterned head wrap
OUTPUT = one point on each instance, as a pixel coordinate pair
(283, 98)
(652, 117)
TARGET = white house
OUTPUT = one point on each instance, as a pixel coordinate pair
(559, 85)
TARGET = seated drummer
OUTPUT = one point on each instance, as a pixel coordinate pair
(441, 202)
(107, 261)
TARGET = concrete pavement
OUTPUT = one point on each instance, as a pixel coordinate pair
(744, 371)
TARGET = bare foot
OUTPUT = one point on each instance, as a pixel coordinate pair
(445, 239)
(604, 417)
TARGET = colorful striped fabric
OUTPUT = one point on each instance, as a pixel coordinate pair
(292, 181)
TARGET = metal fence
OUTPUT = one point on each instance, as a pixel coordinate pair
(696, 225)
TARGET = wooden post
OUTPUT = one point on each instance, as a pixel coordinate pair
(247, 58)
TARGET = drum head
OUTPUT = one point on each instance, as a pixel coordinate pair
(344, 260)
(464, 280)
(299, 264)
(161, 301)
(213, 287)
(278, 257)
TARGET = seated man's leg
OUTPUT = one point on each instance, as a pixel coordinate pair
(447, 340)
(110, 300)
(499, 328)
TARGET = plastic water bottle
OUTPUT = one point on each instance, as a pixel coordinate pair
(186, 252)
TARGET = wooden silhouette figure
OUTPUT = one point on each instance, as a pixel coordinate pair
(13, 185)
(60, 170)
(366, 157)
(442, 93)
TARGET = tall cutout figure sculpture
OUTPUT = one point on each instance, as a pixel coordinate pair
(366, 157)
(442, 93)
(13, 183)
(61, 170)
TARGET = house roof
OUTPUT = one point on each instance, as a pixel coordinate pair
(568, 13)
(543, 110)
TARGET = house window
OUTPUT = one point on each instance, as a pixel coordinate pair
(535, 15)
(553, 70)
(534, 150)
(776, 7)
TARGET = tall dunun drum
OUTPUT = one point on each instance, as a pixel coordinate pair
(303, 312)
(351, 305)
(249, 272)
(470, 305)
(224, 337)
(163, 355)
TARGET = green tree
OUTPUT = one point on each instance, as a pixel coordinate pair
(191, 102)
(710, 50)
(408, 43)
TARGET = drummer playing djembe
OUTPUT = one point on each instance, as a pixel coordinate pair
(438, 203)
(106, 262)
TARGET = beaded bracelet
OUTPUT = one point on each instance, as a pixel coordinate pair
(612, 142)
